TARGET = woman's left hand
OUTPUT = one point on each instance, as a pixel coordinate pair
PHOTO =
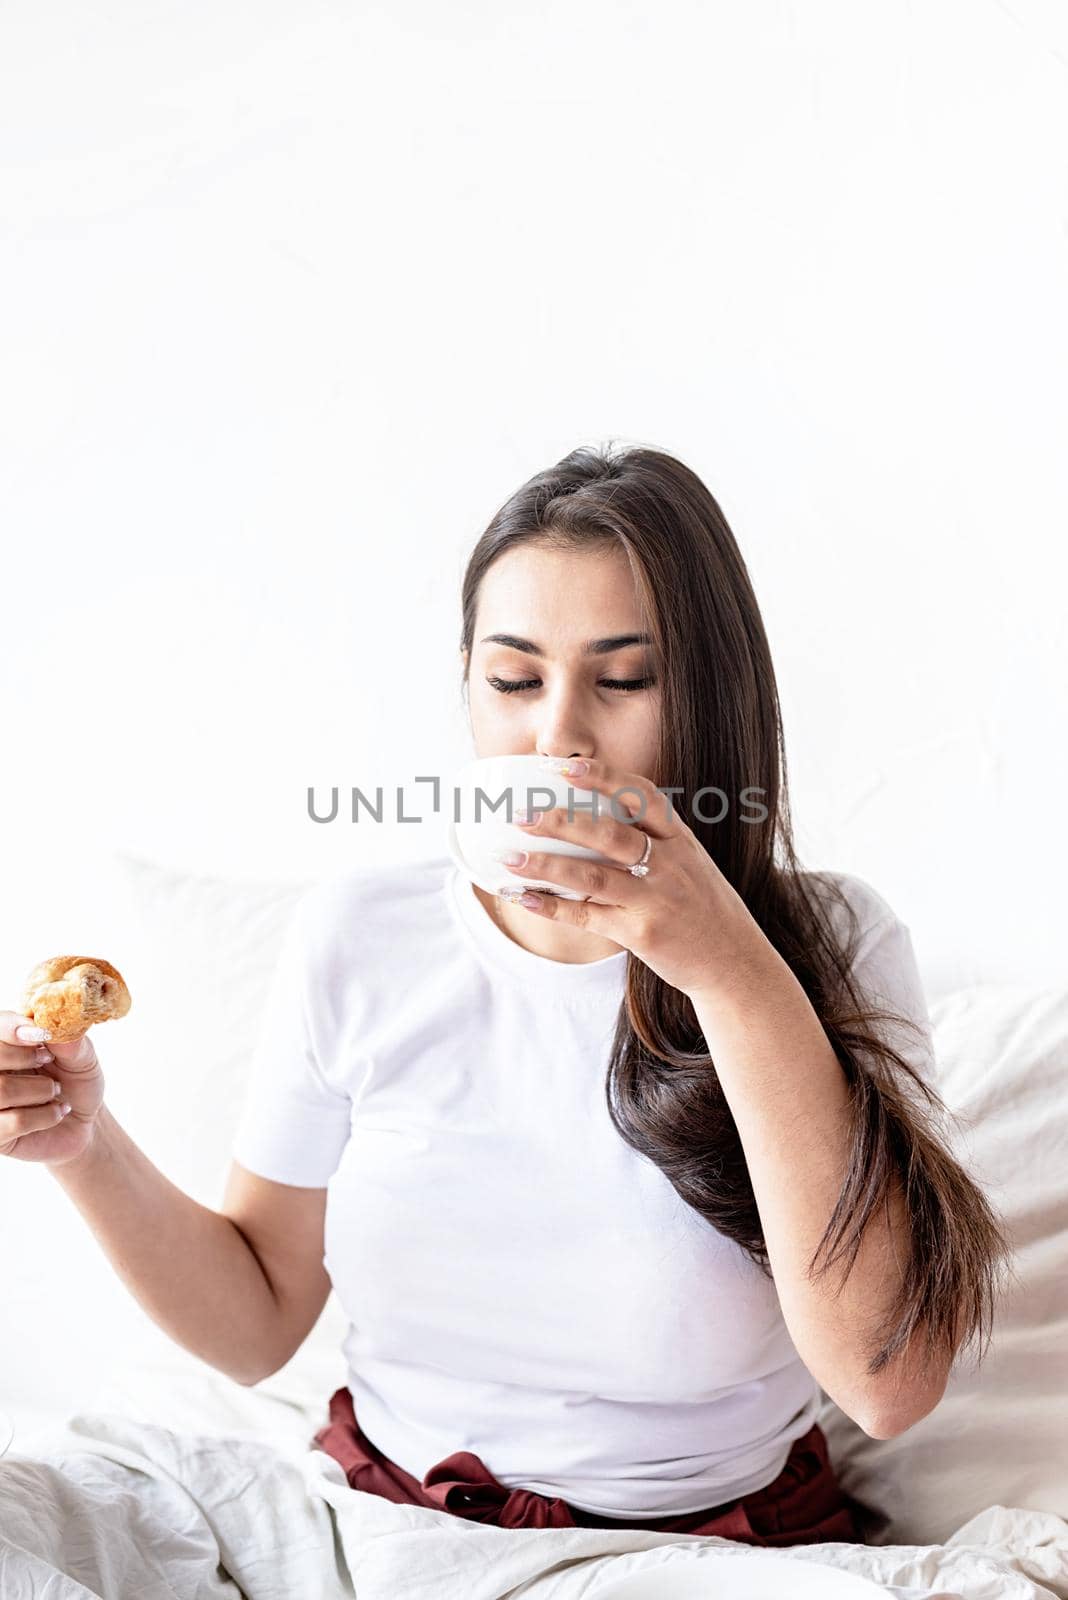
(683, 919)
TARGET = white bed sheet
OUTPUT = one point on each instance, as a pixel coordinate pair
(219, 1495)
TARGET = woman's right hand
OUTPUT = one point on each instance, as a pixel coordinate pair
(32, 1125)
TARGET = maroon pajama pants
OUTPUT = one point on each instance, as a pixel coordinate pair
(803, 1505)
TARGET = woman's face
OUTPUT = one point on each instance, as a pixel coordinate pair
(567, 701)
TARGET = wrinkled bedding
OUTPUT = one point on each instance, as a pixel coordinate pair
(106, 1506)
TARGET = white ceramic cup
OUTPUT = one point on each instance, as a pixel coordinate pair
(478, 827)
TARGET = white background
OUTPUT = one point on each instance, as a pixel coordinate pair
(295, 295)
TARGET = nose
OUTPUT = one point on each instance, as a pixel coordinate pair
(562, 755)
(562, 725)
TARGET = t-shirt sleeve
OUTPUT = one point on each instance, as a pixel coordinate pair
(887, 973)
(294, 1124)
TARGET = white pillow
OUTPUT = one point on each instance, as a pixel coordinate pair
(199, 966)
(198, 961)
(197, 953)
(1000, 1434)
(68, 1319)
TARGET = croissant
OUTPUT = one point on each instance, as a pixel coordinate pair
(67, 994)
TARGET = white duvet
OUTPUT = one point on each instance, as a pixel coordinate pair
(231, 1501)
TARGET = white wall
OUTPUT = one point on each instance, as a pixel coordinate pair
(296, 295)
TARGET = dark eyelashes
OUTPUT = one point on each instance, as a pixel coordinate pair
(624, 685)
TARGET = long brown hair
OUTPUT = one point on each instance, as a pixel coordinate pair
(721, 724)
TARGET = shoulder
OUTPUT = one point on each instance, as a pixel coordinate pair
(872, 937)
(362, 939)
(860, 915)
(883, 962)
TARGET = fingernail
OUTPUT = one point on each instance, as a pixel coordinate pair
(57, 1088)
(511, 858)
(64, 1108)
(31, 1035)
(525, 817)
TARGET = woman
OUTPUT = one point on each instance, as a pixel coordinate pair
(610, 1189)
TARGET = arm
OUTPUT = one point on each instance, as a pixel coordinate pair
(789, 1098)
(192, 1269)
(793, 1108)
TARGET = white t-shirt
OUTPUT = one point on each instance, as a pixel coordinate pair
(519, 1282)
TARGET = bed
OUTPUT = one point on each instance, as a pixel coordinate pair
(136, 1470)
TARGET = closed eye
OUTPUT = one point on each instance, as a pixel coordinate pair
(516, 685)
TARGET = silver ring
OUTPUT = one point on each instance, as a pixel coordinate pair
(640, 868)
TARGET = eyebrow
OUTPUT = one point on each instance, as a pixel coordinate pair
(592, 647)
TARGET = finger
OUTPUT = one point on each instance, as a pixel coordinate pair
(17, 1028)
(20, 1057)
(622, 841)
(609, 921)
(29, 1119)
(627, 793)
(75, 1055)
(606, 885)
(27, 1089)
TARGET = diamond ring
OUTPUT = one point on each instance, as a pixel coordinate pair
(640, 868)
